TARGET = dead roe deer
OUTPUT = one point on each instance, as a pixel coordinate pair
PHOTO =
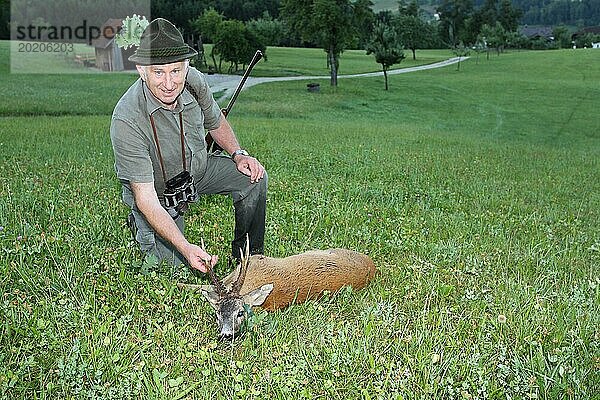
(278, 282)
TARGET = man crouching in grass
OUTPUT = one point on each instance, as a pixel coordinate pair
(157, 133)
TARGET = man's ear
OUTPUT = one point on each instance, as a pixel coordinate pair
(258, 296)
(211, 295)
(141, 71)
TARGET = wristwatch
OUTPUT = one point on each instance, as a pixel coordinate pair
(238, 152)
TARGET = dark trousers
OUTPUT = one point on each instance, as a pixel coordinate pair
(220, 177)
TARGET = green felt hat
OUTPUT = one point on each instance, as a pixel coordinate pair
(161, 43)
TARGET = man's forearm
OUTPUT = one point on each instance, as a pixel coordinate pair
(158, 218)
(225, 137)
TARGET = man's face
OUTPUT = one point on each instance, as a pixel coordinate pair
(165, 81)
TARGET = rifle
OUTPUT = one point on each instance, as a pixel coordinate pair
(211, 145)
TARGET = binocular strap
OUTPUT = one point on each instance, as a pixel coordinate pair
(160, 158)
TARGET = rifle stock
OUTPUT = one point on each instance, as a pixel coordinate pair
(211, 145)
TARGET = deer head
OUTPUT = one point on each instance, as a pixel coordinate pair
(230, 306)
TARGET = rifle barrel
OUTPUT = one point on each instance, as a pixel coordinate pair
(257, 56)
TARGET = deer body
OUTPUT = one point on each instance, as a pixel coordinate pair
(275, 283)
(298, 278)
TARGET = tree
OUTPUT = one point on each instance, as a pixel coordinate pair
(235, 44)
(411, 8)
(330, 24)
(386, 47)
(562, 36)
(207, 25)
(364, 18)
(269, 30)
(245, 10)
(516, 40)
(495, 36)
(489, 12)
(413, 31)
(508, 16)
(178, 12)
(453, 27)
(461, 51)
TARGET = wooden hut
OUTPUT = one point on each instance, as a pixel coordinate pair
(109, 56)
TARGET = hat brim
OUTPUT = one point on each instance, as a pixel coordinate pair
(135, 58)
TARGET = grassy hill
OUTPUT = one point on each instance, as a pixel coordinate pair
(477, 194)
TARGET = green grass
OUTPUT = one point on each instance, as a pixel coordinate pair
(477, 193)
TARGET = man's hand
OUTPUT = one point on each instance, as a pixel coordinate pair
(198, 258)
(250, 166)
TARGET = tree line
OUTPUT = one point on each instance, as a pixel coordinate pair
(558, 12)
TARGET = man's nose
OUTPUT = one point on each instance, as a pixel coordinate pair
(169, 82)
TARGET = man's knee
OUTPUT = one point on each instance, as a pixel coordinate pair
(252, 192)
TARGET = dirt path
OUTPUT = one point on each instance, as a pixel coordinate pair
(228, 83)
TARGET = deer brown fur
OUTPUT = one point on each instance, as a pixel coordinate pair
(304, 276)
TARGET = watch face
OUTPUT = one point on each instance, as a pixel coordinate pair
(238, 152)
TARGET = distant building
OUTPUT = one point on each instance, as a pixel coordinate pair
(590, 30)
(537, 32)
(109, 56)
(594, 30)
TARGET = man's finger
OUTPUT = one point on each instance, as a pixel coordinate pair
(201, 266)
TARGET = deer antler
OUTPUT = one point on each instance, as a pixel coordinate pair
(218, 285)
(244, 261)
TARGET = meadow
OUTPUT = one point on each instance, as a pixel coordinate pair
(476, 192)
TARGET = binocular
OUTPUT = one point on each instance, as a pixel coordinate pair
(179, 191)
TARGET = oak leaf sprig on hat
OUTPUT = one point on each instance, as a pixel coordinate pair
(131, 31)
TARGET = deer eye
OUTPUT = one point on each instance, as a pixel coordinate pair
(240, 313)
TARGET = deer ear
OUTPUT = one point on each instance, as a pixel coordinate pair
(258, 296)
(211, 295)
